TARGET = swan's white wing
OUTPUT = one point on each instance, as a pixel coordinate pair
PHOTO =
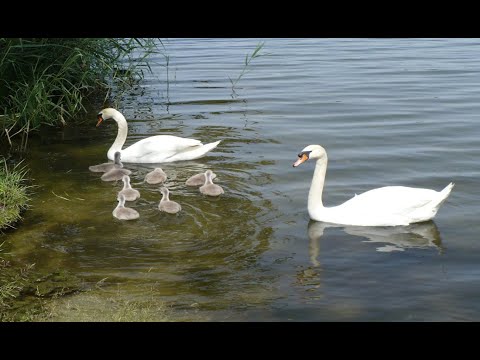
(159, 148)
(394, 200)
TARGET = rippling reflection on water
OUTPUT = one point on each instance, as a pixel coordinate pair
(388, 112)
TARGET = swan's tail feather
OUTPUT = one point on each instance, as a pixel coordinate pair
(443, 196)
(197, 153)
(211, 146)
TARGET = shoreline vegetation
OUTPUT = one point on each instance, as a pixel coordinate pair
(14, 197)
(48, 82)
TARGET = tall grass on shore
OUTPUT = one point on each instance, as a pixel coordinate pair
(46, 81)
(14, 196)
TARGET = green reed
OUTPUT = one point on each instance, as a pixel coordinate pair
(248, 59)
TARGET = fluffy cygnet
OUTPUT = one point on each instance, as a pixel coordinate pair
(127, 191)
(117, 164)
(209, 188)
(124, 213)
(198, 180)
(166, 204)
(156, 176)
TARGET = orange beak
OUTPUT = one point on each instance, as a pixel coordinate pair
(301, 160)
(100, 119)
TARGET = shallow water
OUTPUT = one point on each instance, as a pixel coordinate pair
(388, 111)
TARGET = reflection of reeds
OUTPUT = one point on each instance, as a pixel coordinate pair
(248, 59)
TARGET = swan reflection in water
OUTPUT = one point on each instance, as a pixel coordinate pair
(393, 238)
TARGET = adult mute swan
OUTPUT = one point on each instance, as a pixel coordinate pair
(154, 149)
(385, 206)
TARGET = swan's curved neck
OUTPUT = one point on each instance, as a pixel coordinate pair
(318, 181)
(121, 135)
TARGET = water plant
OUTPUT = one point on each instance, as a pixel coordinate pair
(248, 59)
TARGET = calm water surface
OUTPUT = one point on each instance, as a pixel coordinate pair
(388, 112)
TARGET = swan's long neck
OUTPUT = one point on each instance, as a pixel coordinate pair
(121, 134)
(318, 181)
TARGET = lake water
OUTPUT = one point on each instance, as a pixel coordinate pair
(388, 112)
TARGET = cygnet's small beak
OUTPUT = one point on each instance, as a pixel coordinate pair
(302, 157)
(100, 119)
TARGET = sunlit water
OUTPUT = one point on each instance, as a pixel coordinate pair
(388, 111)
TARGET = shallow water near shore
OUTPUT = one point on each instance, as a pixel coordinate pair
(388, 112)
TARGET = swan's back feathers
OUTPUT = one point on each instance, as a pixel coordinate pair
(391, 205)
(391, 199)
(165, 148)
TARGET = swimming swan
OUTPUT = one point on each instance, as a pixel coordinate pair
(166, 204)
(209, 188)
(117, 164)
(198, 179)
(127, 191)
(154, 149)
(124, 213)
(385, 206)
(156, 176)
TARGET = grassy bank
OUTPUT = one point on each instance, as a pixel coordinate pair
(13, 194)
(47, 81)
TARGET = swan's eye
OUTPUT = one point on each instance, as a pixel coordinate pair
(306, 153)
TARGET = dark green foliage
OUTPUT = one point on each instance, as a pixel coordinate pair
(45, 81)
(13, 194)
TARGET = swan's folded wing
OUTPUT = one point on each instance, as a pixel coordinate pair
(394, 200)
(166, 145)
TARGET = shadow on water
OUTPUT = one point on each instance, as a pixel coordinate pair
(394, 238)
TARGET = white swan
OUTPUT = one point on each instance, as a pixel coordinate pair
(385, 206)
(154, 149)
